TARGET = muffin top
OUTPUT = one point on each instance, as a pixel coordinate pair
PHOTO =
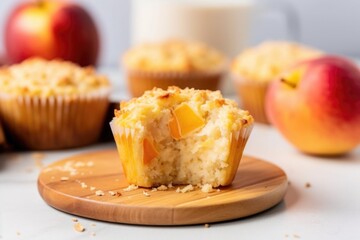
(202, 105)
(43, 78)
(174, 56)
(269, 59)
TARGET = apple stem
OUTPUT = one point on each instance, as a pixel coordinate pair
(290, 84)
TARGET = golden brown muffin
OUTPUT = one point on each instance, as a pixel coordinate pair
(52, 104)
(181, 137)
(256, 67)
(184, 64)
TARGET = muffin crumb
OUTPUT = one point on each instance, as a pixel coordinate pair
(74, 219)
(307, 185)
(64, 178)
(162, 188)
(115, 193)
(99, 193)
(78, 227)
(207, 188)
(146, 193)
(131, 187)
(207, 225)
(186, 189)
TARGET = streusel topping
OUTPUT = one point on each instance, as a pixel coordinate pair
(43, 78)
(174, 56)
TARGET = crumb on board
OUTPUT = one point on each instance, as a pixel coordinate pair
(170, 185)
(154, 189)
(162, 188)
(18, 233)
(207, 225)
(206, 188)
(185, 189)
(93, 224)
(131, 188)
(64, 178)
(307, 185)
(99, 193)
(146, 193)
(78, 227)
(83, 185)
(114, 193)
(93, 234)
(92, 188)
(74, 220)
(296, 236)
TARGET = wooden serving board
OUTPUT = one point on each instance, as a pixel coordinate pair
(69, 185)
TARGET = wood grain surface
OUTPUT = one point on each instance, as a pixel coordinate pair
(74, 185)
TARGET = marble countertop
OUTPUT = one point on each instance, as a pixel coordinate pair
(327, 209)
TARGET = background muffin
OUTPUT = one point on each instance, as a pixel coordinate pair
(254, 68)
(181, 137)
(52, 104)
(179, 63)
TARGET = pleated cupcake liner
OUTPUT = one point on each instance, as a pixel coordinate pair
(237, 146)
(252, 95)
(139, 81)
(128, 142)
(54, 122)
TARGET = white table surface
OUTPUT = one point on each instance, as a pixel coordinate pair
(329, 209)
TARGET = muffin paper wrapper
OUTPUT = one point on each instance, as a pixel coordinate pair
(140, 81)
(54, 122)
(252, 95)
(237, 146)
(128, 140)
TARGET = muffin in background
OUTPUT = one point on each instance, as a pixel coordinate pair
(256, 67)
(180, 136)
(173, 63)
(52, 104)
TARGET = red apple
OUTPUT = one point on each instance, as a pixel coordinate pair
(316, 105)
(51, 29)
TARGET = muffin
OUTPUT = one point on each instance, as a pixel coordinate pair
(52, 104)
(178, 63)
(180, 137)
(256, 67)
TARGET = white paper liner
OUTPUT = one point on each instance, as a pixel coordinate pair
(54, 122)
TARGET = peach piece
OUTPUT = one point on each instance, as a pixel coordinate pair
(184, 121)
(149, 151)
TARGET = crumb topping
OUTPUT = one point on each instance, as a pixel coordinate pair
(174, 56)
(269, 59)
(135, 112)
(39, 77)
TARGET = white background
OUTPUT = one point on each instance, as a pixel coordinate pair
(330, 25)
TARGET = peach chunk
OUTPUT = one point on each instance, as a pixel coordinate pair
(149, 151)
(184, 121)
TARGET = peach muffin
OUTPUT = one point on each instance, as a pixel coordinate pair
(52, 104)
(181, 137)
(256, 67)
(173, 62)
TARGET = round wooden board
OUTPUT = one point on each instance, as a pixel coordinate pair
(70, 185)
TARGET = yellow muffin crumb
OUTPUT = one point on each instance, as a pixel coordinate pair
(269, 59)
(39, 77)
(174, 56)
(180, 136)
